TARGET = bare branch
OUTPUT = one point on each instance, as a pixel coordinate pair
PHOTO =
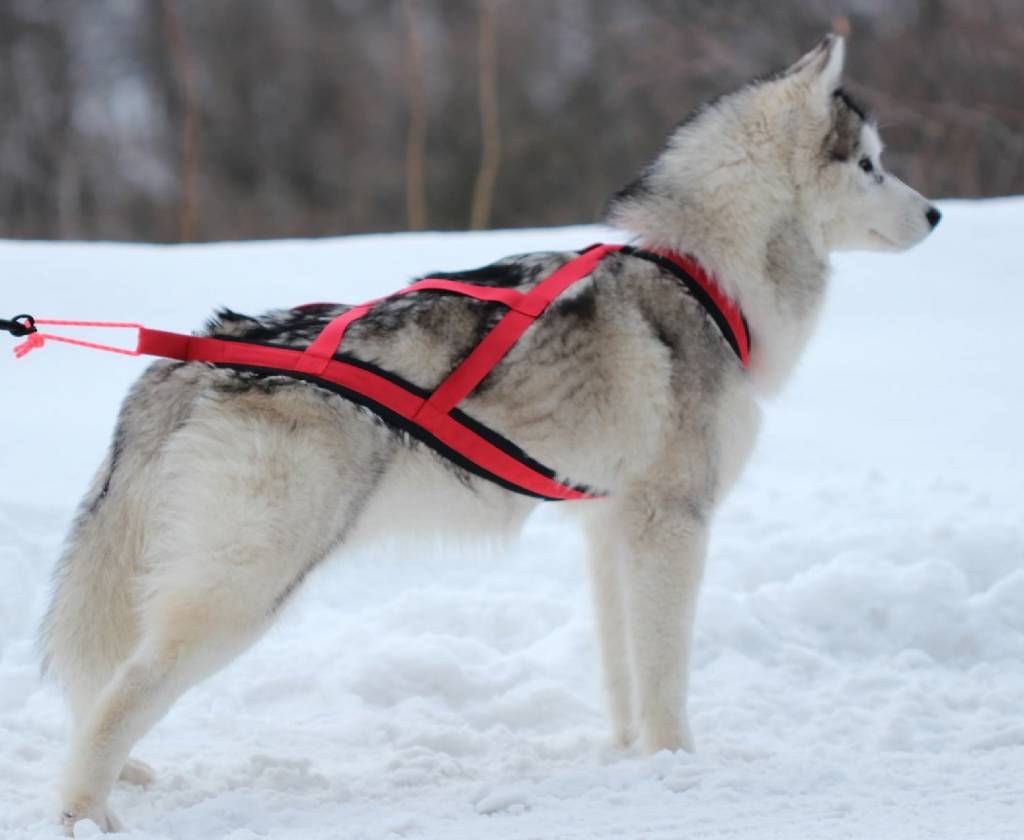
(189, 206)
(490, 159)
(416, 139)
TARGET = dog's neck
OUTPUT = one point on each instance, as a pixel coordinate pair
(774, 265)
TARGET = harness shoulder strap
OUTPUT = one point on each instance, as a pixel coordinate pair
(483, 358)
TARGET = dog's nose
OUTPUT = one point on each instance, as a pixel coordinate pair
(933, 215)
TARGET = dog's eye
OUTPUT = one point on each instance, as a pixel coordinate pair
(866, 164)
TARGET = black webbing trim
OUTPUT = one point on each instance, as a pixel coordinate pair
(418, 432)
(695, 289)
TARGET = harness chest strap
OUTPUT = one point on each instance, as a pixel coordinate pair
(434, 417)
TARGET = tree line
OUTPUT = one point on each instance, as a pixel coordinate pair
(183, 120)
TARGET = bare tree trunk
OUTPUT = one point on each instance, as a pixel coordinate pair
(188, 211)
(490, 158)
(416, 139)
(69, 191)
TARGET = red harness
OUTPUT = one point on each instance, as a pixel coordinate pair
(434, 417)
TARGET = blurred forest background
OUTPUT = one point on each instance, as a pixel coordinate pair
(180, 120)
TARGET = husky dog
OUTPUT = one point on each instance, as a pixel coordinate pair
(223, 489)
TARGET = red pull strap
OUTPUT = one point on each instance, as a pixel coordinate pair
(38, 339)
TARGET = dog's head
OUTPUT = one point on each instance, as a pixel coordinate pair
(860, 205)
(792, 144)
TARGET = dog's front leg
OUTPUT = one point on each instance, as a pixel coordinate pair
(667, 544)
(606, 550)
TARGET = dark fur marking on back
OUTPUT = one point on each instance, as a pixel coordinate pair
(582, 306)
(224, 316)
(294, 326)
(497, 275)
(242, 382)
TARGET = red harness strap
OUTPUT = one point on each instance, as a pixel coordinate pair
(435, 418)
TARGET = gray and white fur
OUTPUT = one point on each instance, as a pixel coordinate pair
(222, 490)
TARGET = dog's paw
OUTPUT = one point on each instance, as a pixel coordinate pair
(664, 729)
(624, 737)
(101, 815)
(671, 738)
(137, 773)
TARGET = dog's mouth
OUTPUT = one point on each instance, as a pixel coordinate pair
(883, 240)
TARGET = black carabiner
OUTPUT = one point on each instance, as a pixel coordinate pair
(18, 329)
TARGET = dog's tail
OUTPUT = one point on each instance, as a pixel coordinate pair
(90, 626)
(89, 629)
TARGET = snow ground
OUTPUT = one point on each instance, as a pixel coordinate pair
(859, 664)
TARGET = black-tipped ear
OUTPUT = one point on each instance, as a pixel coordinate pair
(822, 66)
(830, 66)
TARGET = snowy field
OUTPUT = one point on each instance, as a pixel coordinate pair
(859, 663)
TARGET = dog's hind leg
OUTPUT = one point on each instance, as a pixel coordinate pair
(253, 492)
(606, 553)
(179, 647)
(90, 627)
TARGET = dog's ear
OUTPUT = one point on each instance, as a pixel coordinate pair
(821, 69)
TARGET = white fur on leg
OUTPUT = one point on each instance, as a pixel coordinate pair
(138, 773)
(106, 819)
(606, 552)
(173, 656)
(663, 579)
(136, 697)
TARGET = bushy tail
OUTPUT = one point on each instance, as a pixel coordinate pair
(91, 626)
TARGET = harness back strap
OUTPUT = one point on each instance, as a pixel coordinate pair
(434, 417)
